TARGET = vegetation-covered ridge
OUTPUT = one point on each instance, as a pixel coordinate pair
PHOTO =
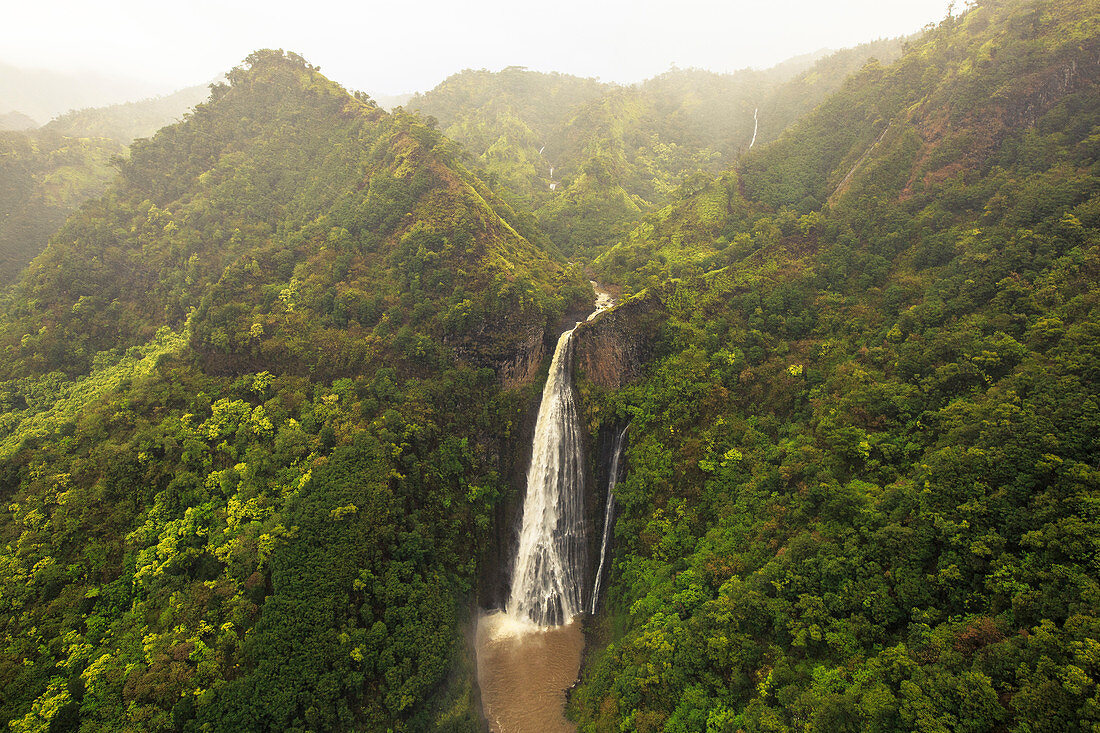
(48, 172)
(42, 94)
(588, 158)
(863, 468)
(128, 121)
(262, 398)
(253, 431)
(290, 215)
(45, 177)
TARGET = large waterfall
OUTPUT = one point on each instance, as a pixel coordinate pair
(608, 515)
(549, 567)
(528, 655)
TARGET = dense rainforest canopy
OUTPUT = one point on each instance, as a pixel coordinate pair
(44, 177)
(47, 172)
(864, 468)
(260, 397)
(252, 423)
(589, 158)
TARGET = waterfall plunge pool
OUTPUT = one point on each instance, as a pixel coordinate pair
(523, 672)
(526, 657)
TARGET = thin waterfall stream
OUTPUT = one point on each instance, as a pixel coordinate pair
(608, 515)
(529, 653)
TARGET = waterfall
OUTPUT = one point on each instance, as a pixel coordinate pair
(755, 127)
(609, 512)
(549, 567)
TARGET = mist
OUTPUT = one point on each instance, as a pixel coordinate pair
(384, 48)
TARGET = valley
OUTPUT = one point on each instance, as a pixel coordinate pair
(779, 411)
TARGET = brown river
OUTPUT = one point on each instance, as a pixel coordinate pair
(524, 672)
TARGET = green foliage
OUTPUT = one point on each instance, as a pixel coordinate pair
(862, 470)
(252, 424)
(128, 121)
(44, 177)
(618, 151)
(939, 112)
(303, 226)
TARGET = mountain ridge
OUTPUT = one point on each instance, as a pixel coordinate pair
(272, 361)
(863, 443)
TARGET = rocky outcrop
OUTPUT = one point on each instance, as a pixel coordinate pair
(522, 365)
(498, 555)
(610, 350)
(517, 349)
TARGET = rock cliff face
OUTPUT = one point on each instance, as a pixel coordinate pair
(610, 350)
(518, 350)
(522, 365)
(515, 350)
(495, 575)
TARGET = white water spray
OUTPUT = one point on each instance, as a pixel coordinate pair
(755, 126)
(609, 512)
(549, 568)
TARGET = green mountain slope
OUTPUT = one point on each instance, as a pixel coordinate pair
(863, 464)
(130, 120)
(253, 429)
(44, 177)
(505, 118)
(42, 94)
(617, 151)
(248, 195)
(48, 173)
(16, 121)
(939, 113)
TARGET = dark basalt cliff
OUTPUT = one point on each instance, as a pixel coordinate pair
(516, 362)
(518, 349)
(522, 366)
(610, 350)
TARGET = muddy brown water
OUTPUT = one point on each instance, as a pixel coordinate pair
(524, 672)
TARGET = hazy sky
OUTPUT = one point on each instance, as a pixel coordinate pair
(411, 45)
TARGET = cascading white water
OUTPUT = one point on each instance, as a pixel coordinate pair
(549, 567)
(609, 512)
(755, 126)
(545, 580)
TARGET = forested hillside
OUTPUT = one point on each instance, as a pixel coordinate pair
(44, 177)
(267, 395)
(16, 120)
(47, 173)
(864, 465)
(253, 426)
(128, 121)
(43, 94)
(617, 151)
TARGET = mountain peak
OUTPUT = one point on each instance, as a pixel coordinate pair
(282, 182)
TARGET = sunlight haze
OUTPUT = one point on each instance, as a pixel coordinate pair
(389, 48)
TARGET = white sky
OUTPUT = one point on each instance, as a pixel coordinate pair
(411, 45)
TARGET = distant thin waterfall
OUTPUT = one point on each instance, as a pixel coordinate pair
(609, 513)
(549, 567)
(755, 126)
